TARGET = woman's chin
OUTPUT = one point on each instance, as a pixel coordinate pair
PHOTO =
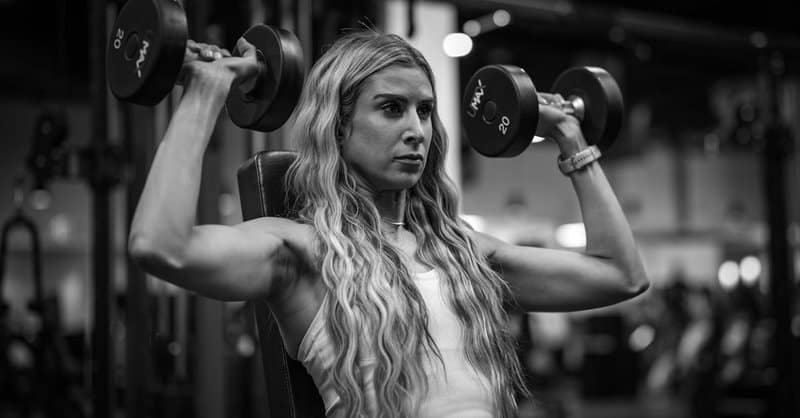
(406, 182)
(396, 186)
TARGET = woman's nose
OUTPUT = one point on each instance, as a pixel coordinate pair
(414, 132)
(414, 138)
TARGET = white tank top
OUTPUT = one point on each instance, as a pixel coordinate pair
(457, 391)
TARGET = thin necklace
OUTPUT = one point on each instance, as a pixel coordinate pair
(394, 223)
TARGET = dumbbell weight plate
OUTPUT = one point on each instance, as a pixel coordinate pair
(604, 108)
(275, 95)
(500, 110)
(146, 50)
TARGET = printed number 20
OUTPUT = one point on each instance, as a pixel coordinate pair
(504, 123)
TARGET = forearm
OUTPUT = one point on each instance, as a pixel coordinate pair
(608, 234)
(165, 214)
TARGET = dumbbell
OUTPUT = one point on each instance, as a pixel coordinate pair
(146, 51)
(501, 107)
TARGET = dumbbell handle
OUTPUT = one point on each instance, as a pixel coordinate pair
(247, 86)
(575, 107)
(572, 105)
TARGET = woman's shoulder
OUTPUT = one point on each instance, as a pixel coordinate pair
(486, 244)
(297, 235)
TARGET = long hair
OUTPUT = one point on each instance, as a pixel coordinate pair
(375, 310)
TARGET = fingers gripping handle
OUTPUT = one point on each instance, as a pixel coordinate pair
(252, 83)
(575, 106)
(572, 105)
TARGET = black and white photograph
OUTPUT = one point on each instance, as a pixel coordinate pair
(399, 209)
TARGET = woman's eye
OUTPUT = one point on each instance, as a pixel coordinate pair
(392, 107)
(425, 111)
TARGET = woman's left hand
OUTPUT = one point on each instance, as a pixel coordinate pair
(555, 123)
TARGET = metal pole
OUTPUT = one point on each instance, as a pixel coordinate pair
(138, 139)
(102, 370)
(209, 362)
(776, 151)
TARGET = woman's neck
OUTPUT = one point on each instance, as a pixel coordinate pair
(392, 207)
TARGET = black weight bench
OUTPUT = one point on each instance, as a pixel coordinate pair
(291, 392)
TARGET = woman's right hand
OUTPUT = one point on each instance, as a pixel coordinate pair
(210, 65)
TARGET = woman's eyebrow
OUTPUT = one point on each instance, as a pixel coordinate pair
(400, 97)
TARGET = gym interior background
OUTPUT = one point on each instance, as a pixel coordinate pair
(705, 167)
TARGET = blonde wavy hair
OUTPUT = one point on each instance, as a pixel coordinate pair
(375, 308)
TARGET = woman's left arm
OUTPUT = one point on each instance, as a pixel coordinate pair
(610, 269)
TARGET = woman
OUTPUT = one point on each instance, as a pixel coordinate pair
(395, 306)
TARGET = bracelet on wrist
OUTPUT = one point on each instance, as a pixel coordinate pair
(578, 160)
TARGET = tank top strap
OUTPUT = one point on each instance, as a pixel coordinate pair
(316, 327)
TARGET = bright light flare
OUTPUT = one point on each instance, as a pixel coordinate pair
(728, 274)
(472, 27)
(641, 337)
(457, 45)
(501, 18)
(750, 269)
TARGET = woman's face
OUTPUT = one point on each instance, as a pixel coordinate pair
(386, 141)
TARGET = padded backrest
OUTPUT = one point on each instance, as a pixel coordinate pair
(291, 392)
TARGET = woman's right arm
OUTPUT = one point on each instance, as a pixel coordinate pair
(222, 262)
